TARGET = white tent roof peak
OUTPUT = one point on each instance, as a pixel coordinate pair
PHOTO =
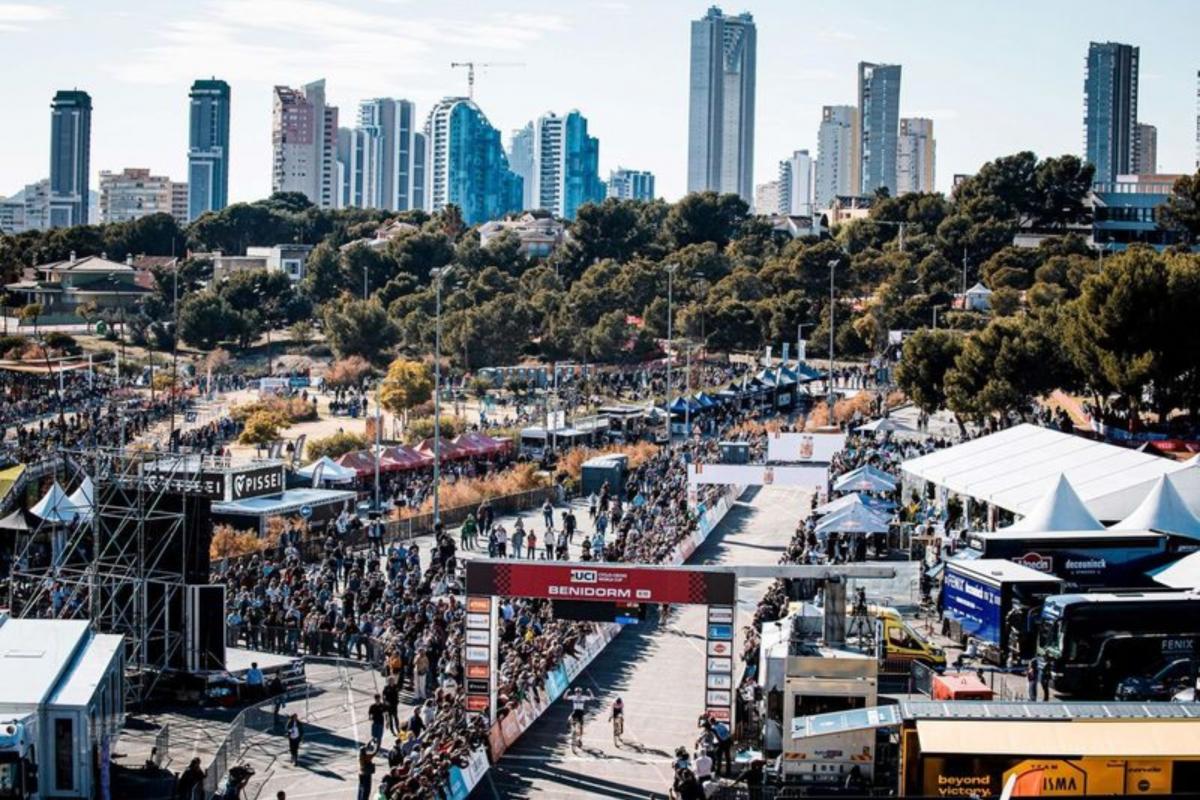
(54, 506)
(979, 288)
(1059, 510)
(1163, 510)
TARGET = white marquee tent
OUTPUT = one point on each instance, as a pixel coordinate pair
(1163, 510)
(865, 479)
(1183, 574)
(1015, 468)
(856, 519)
(1060, 510)
(55, 506)
(848, 500)
(329, 471)
(84, 498)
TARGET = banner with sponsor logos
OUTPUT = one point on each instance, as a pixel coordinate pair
(819, 447)
(811, 476)
(601, 581)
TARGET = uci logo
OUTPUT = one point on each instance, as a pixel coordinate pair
(583, 576)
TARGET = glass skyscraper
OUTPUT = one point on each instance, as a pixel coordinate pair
(566, 165)
(721, 105)
(70, 158)
(208, 147)
(1110, 98)
(467, 164)
(879, 125)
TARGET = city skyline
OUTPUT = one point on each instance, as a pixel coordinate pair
(140, 95)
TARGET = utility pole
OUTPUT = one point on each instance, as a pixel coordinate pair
(670, 314)
(438, 274)
(832, 266)
(964, 277)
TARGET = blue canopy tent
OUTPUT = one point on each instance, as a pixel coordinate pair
(703, 401)
(807, 374)
(856, 519)
(865, 479)
(850, 500)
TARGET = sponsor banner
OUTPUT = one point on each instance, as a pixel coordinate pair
(720, 632)
(480, 605)
(457, 785)
(496, 741)
(818, 447)
(556, 683)
(255, 483)
(479, 671)
(720, 649)
(524, 714)
(477, 703)
(716, 697)
(603, 582)
(479, 621)
(511, 729)
(719, 714)
(477, 653)
(478, 686)
(479, 637)
(808, 476)
(720, 614)
(720, 665)
(717, 680)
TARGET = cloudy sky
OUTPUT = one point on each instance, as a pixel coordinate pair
(997, 76)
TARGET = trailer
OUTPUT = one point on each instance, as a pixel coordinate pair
(1080, 558)
(995, 603)
(62, 705)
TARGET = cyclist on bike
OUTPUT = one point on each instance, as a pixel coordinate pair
(579, 702)
(618, 720)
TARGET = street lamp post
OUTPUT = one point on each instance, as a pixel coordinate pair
(438, 274)
(671, 268)
(378, 443)
(832, 266)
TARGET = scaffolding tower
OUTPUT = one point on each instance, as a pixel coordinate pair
(124, 565)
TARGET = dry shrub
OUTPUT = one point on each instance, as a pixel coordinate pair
(228, 542)
(291, 409)
(473, 491)
(862, 403)
(895, 399)
(638, 453)
(753, 428)
(819, 417)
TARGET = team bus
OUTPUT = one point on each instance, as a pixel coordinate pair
(1092, 641)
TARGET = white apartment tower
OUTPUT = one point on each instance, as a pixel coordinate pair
(399, 168)
(837, 155)
(915, 156)
(795, 185)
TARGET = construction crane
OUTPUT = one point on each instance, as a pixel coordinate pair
(471, 65)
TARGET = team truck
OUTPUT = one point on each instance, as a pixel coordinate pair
(1092, 641)
(62, 705)
(995, 604)
(1080, 558)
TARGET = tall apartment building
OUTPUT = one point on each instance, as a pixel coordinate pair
(134, 193)
(879, 125)
(70, 158)
(631, 184)
(208, 147)
(837, 155)
(566, 165)
(915, 156)
(721, 104)
(1110, 97)
(359, 178)
(795, 185)
(1145, 150)
(304, 137)
(399, 168)
(467, 165)
(28, 209)
(520, 161)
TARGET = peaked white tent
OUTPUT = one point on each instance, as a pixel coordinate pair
(865, 479)
(55, 506)
(1183, 574)
(84, 498)
(1163, 510)
(1059, 510)
(886, 425)
(330, 471)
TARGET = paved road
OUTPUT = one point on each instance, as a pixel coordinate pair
(657, 670)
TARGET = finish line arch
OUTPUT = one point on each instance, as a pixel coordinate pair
(597, 582)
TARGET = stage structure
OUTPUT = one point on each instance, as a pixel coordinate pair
(130, 552)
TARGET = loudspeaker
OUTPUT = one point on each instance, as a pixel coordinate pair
(205, 628)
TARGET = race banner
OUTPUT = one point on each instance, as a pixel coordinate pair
(600, 582)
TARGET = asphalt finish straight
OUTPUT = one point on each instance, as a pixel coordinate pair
(658, 670)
